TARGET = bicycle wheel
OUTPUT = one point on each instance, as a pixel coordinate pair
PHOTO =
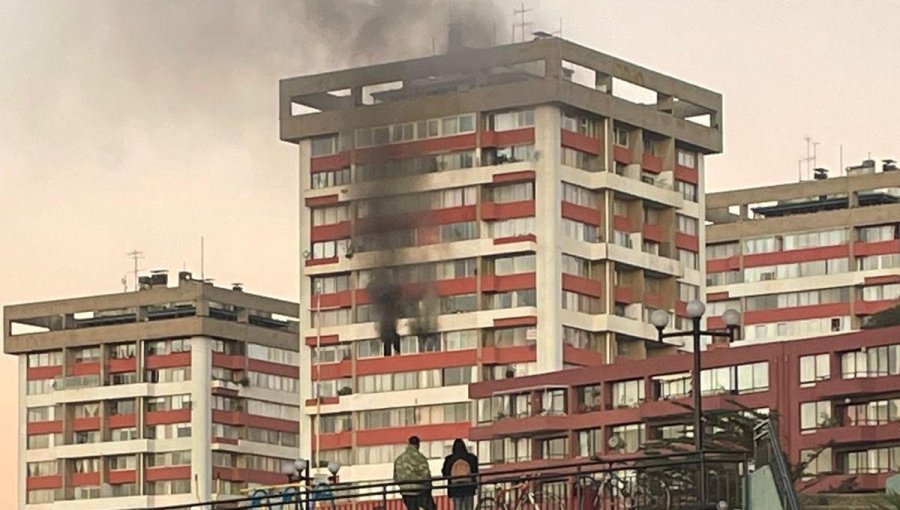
(549, 502)
(489, 503)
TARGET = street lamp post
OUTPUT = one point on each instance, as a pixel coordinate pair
(695, 310)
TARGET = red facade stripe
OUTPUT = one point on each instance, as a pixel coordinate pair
(507, 355)
(652, 232)
(623, 294)
(504, 283)
(870, 307)
(232, 361)
(399, 435)
(505, 177)
(44, 427)
(268, 367)
(881, 280)
(340, 299)
(117, 366)
(516, 239)
(36, 373)
(331, 232)
(321, 262)
(264, 422)
(792, 256)
(527, 320)
(336, 440)
(166, 417)
(622, 154)
(123, 476)
(326, 371)
(509, 137)
(155, 474)
(717, 296)
(581, 357)
(176, 359)
(80, 424)
(322, 200)
(85, 368)
(416, 148)
(687, 242)
(44, 482)
(413, 362)
(585, 286)
(227, 417)
(82, 479)
(325, 340)
(622, 223)
(331, 162)
(796, 313)
(651, 163)
(876, 248)
(495, 211)
(121, 421)
(722, 265)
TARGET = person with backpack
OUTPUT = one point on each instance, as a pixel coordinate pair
(460, 468)
(413, 476)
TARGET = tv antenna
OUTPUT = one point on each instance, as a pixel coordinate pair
(522, 24)
(135, 255)
(810, 159)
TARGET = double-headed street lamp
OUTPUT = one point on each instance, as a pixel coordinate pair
(695, 310)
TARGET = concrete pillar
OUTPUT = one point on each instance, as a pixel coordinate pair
(23, 427)
(548, 194)
(305, 314)
(201, 414)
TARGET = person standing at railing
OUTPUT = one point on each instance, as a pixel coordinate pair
(413, 476)
(460, 468)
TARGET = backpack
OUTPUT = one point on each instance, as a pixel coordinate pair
(460, 469)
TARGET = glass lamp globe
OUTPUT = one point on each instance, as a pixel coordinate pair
(696, 309)
(659, 318)
(731, 317)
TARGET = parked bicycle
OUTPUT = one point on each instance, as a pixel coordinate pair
(614, 492)
(525, 495)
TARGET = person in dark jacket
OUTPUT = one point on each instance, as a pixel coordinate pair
(461, 468)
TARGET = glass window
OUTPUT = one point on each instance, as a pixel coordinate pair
(814, 415)
(628, 393)
(813, 368)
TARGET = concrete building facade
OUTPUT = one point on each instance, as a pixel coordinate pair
(531, 214)
(166, 395)
(835, 397)
(806, 259)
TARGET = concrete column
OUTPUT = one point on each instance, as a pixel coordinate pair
(305, 382)
(201, 414)
(23, 427)
(548, 194)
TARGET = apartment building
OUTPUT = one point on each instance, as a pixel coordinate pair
(528, 211)
(806, 259)
(836, 398)
(162, 396)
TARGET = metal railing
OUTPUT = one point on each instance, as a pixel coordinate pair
(650, 482)
(768, 452)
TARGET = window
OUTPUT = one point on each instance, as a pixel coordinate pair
(86, 355)
(628, 393)
(329, 178)
(510, 154)
(331, 353)
(688, 190)
(878, 262)
(689, 258)
(122, 462)
(620, 136)
(687, 292)
(579, 159)
(273, 354)
(122, 351)
(588, 397)
(506, 121)
(622, 239)
(45, 359)
(45, 468)
(511, 228)
(330, 215)
(272, 382)
(590, 442)
(456, 376)
(511, 299)
(687, 158)
(514, 265)
(555, 448)
(459, 231)
(579, 231)
(576, 266)
(629, 438)
(580, 302)
(814, 415)
(687, 225)
(722, 251)
(582, 339)
(672, 386)
(329, 249)
(813, 368)
(39, 414)
(753, 377)
(516, 192)
(816, 461)
(879, 233)
(168, 487)
(323, 145)
(578, 195)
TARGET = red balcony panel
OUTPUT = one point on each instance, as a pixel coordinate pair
(331, 232)
(839, 482)
(796, 313)
(332, 370)
(336, 440)
(837, 387)
(330, 162)
(35, 373)
(416, 148)
(582, 357)
(45, 427)
(412, 362)
(263, 477)
(651, 163)
(870, 307)
(505, 355)
(505, 177)
(876, 248)
(581, 285)
(516, 239)
(230, 474)
(623, 294)
(652, 232)
(428, 235)
(508, 210)
(455, 286)
(325, 340)
(717, 296)
(721, 265)
(714, 322)
(154, 474)
(322, 200)
(268, 367)
(510, 322)
(225, 440)
(122, 476)
(232, 361)
(580, 142)
(503, 283)
(80, 479)
(340, 299)
(446, 216)
(681, 308)
(79, 424)
(85, 368)
(228, 417)
(687, 174)
(528, 426)
(44, 482)
(325, 401)
(165, 417)
(118, 366)
(509, 137)
(654, 300)
(687, 242)
(320, 262)
(121, 421)
(802, 255)
(176, 359)
(264, 422)
(581, 213)
(622, 223)
(622, 154)
(398, 435)
(881, 280)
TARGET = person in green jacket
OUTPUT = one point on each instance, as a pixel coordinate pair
(412, 475)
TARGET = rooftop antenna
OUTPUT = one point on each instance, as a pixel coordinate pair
(810, 155)
(125, 282)
(202, 261)
(521, 12)
(841, 171)
(135, 255)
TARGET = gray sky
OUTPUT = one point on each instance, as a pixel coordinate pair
(137, 124)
